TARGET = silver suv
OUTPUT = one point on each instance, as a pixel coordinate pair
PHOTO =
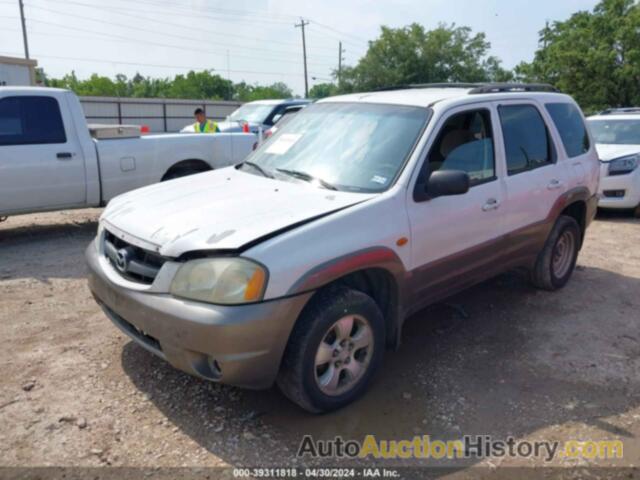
(300, 265)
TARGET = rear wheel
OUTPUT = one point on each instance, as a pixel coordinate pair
(334, 350)
(180, 172)
(557, 260)
(185, 168)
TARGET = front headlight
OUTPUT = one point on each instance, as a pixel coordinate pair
(623, 165)
(227, 281)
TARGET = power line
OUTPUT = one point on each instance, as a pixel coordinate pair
(118, 38)
(343, 34)
(36, 32)
(119, 11)
(149, 42)
(259, 16)
(180, 67)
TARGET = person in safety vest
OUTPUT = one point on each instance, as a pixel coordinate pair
(203, 125)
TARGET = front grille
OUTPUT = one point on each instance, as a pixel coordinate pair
(133, 263)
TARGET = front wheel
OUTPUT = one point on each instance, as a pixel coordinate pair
(334, 350)
(557, 260)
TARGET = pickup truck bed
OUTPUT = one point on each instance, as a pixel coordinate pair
(50, 160)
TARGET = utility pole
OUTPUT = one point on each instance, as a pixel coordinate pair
(24, 30)
(340, 59)
(303, 24)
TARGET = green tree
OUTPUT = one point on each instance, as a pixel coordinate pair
(412, 54)
(248, 93)
(593, 56)
(322, 90)
(205, 85)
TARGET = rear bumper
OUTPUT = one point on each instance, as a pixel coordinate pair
(628, 185)
(236, 345)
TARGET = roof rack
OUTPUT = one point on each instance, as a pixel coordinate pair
(513, 87)
(477, 88)
(612, 111)
(409, 86)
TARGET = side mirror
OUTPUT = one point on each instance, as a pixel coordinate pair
(445, 183)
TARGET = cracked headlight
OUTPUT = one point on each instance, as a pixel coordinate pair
(226, 281)
(623, 165)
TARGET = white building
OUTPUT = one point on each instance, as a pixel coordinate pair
(17, 71)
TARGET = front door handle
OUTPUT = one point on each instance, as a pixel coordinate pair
(492, 204)
(554, 184)
(64, 155)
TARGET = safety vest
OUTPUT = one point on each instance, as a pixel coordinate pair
(209, 127)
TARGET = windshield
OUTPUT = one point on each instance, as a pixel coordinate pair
(349, 146)
(252, 113)
(617, 132)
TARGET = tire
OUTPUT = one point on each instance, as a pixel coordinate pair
(180, 172)
(557, 260)
(304, 376)
(636, 212)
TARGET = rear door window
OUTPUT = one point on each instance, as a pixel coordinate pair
(571, 127)
(526, 138)
(28, 120)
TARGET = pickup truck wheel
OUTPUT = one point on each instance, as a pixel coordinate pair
(180, 172)
(185, 168)
(334, 350)
(557, 260)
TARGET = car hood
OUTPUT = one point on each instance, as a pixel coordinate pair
(219, 210)
(231, 126)
(607, 152)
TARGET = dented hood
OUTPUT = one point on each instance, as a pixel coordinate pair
(218, 210)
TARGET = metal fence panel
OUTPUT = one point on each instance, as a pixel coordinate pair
(159, 114)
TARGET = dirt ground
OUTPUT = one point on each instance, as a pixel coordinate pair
(501, 359)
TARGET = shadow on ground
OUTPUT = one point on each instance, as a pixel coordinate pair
(620, 216)
(500, 359)
(44, 251)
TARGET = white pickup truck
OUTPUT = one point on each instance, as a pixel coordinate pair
(50, 159)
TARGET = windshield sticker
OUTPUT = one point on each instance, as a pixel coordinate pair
(283, 143)
(379, 179)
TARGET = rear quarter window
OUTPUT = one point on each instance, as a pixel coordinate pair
(573, 132)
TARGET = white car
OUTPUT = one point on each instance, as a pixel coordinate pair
(617, 136)
(300, 265)
(50, 159)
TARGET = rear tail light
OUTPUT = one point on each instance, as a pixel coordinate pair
(145, 129)
(245, 128)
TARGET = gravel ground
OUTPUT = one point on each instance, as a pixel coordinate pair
(501, 359)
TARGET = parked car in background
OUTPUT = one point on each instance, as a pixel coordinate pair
(300, 265)
(261, 114)
(50, 159)
(288, 114)
(617, 135)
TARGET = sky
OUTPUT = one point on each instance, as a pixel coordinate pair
(251, 40)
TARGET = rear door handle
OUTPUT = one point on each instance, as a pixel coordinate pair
(554, 184)
(64, 155)
(492, 204)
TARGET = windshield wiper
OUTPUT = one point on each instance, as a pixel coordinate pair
(258, 168)
(307, 177)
